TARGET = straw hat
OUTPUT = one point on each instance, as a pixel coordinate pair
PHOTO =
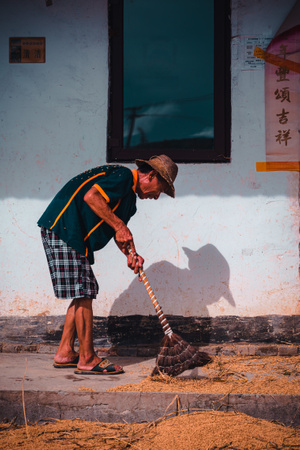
(166, 168)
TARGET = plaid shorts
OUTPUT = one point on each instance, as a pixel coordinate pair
(71, 273)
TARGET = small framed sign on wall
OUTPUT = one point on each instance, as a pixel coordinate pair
(27, 50)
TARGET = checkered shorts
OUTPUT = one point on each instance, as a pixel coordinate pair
(71, 273)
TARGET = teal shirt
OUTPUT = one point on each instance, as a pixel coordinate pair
(73, 221)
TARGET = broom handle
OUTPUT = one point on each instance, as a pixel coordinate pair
(163, 321)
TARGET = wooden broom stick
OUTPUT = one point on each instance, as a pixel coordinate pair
(163, 321)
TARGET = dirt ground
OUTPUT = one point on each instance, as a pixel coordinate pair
(184, 430)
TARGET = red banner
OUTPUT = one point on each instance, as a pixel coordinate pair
(282, 97)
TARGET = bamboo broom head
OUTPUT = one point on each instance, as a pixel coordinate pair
(175, 356)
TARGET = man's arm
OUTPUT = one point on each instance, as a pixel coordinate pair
(123, 236)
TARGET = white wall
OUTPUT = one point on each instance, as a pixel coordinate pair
(228, 243)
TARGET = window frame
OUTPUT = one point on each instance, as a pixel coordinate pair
(222, 94)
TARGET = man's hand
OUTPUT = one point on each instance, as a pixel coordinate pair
(135, 262)
(124, 239)
(126, 245)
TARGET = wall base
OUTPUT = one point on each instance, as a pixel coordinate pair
(130, 333)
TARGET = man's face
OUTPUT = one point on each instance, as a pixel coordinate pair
(150, 186)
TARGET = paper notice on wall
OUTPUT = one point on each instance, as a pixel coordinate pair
(282, 96)
(250, 60)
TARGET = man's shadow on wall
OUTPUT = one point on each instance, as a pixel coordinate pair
(180, 292)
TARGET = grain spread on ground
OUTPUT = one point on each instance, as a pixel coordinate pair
(231, 375)
(206, 430)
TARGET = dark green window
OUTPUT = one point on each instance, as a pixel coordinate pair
(169, 80)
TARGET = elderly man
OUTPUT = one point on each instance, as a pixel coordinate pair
(81, 219)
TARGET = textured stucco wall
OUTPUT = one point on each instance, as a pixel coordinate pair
(228, 243)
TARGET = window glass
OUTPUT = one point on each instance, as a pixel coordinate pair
(168, 74)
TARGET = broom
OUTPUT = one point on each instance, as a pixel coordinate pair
(175, 355)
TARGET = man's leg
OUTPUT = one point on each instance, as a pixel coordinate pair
(84, 327)
(65, 352)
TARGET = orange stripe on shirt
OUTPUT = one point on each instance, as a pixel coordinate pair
(75, 193)
(99, 188)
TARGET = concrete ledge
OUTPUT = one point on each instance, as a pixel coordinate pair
(62, 394)
(142, 406)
